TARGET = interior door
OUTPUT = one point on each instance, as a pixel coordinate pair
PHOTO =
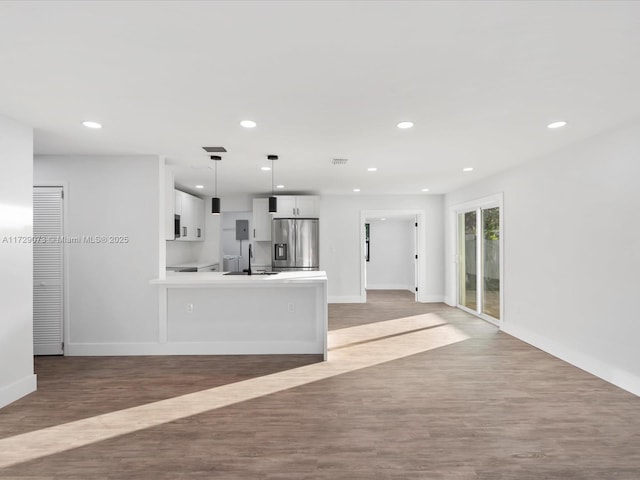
(48, 270)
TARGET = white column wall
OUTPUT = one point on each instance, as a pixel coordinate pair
(110, 298)
(16, 258)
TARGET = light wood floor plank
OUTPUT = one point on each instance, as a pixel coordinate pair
(489, 407)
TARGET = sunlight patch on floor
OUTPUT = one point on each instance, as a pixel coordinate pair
(354, 348)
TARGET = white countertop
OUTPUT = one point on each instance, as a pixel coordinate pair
(219, 278)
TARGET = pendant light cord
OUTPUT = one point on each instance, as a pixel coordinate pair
(273, 190)
(215, 179)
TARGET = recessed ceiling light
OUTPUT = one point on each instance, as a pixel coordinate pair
(265, 169)
(248, 123)
(383, 219)
(467, 169)
(405, 125)
(279, 186)
(199, 186)
(356, 189)
(559, 124)
(372, 169)
(425, 189)
(92, 124)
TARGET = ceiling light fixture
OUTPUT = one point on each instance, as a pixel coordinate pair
(265, 169)
(425, 189)
(248, 123)
(273, 201)
(215, 201)
(199, 186)
(92, 124)
(279, 186)
(356, 189)
(558, 124)
(383, 219)
(372, 169)
(405, 125)
(467, 169)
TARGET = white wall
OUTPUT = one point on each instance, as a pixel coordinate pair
(572, 256)
(110, 298)
(231, 246)
(181, 252)
(16, 258)
(340, 241)
(391, 264)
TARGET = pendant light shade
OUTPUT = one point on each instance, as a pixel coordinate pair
(215, 201)
(273, 205)
(273, 201)
(215, 206)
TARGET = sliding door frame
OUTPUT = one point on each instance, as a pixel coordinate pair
(478, 205)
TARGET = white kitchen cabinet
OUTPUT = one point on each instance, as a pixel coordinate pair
(177, 194)
(169, 199)
(199, 218)
(261, 220)
(308, 206)
(191, 211)
(302, 206)
(286, 207)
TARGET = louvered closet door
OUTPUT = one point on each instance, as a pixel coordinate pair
(47, 270)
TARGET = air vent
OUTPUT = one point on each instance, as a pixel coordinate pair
(339, 161)
(215, 149)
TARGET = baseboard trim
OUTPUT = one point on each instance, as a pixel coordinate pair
(18, 389)
(195, 348)
(346, 299)
(450, 301)
(390, 286)
(610, 373)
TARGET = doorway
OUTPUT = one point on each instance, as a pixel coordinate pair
(479, 257)
(391, 251)
(48, 270)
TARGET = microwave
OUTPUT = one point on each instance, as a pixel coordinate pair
(176, 226)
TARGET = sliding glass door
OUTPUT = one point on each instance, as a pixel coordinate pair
(467, 244)
(479, 261)
(491, 262)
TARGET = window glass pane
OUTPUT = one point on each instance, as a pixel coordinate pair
(491, 262)
(467, 244)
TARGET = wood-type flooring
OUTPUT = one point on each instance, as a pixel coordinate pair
(487, 406)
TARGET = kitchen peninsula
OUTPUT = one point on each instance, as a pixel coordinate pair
(214, 314)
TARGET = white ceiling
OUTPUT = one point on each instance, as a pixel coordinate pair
(324, 80)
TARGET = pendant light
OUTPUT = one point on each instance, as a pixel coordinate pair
(215, 201)
(273, 201)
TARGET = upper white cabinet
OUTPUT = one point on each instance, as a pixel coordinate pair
(169, 204)
(199, 203)
(191, 211)
(303, 206)
(261, 220)
(308, 206)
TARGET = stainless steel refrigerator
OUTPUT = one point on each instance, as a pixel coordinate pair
(294, 244)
